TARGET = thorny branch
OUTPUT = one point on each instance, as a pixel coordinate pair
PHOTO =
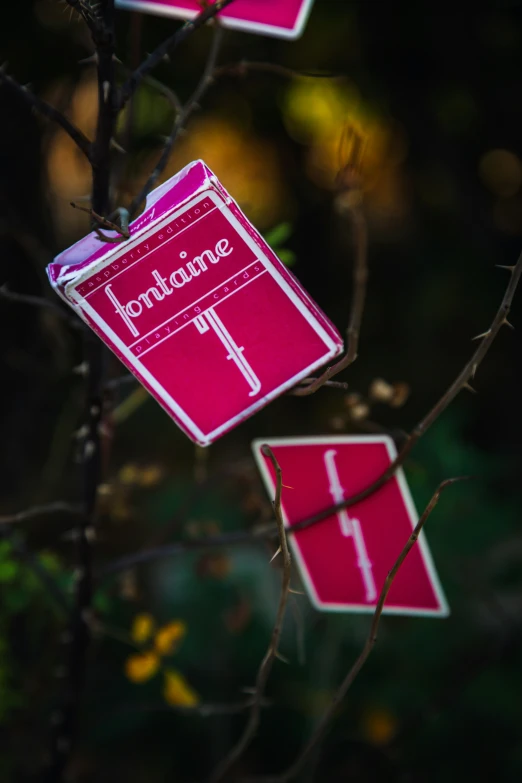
(182, 117)
(270, 530)
(322, 727)
(265, 668)
(46, 110)
(166, 48)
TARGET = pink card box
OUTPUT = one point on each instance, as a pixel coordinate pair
(279, 18)
(198, 306)
(344, 560)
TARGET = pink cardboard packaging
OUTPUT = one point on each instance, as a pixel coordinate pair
(279, 18)
(197, 306)
(344, 560)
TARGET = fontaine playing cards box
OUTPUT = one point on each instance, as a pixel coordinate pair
(197, 306)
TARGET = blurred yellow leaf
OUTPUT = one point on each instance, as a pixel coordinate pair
(130, 404)
(141, 666)
(177, 691)
(168, 636)
(150, 476)
(142, 628)
(128, 474)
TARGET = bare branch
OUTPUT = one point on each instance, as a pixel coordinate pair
(46, 110)
(244, 67)
(332, 384)
(181, 119)
(59, 507)
(128, 378)
(266, 665)
(329, 714)
(203, 710)
(39, 301)
(166, 48)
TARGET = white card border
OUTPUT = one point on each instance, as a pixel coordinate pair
(233, 24)
(168, 402)
(259, 457)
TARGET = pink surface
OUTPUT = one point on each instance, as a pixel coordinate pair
(282, 14)
(329, 560)
(198, 306)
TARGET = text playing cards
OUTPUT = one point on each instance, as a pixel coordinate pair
(197, 306)
(280, 18)
(344, 560)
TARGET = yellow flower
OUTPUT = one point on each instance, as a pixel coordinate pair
(141, 666)
(177, 691)
(142, 628)
(168, 636)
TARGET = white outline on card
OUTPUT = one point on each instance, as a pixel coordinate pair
(243, 25)
(168, 402)
(429, 565)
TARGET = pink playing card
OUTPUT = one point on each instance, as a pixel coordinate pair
(344, 560)
(280, 18)
(198, 306)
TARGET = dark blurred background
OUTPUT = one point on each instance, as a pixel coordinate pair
(434, 92)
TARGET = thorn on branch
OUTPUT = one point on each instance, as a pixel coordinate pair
(122, 230)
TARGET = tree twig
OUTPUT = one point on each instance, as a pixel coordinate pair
(46, 110)
(181, 118)
(265, 668)
(59, 507)
(40, 301)
(327, 717)
(166, 48)
(244, 67)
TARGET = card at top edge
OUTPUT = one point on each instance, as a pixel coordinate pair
(277, 18)
(344, 560)
(198, 306)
